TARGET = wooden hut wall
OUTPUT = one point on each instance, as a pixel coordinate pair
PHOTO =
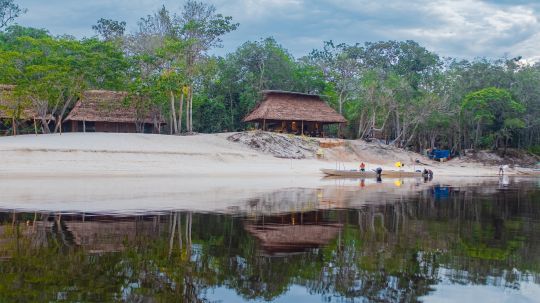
(106, 127)
(101, 127)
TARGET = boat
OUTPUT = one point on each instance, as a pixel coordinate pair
(370, 174)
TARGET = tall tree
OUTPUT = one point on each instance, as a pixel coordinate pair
(342, 67)
(9, 11)
(496, 110)
(52, 72)
(202, 28)
(110, 30)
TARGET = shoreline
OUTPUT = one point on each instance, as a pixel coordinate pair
(202, 156)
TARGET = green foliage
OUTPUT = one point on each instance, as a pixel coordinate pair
(211, 115)
(496, 110)
(51, 73)
(409, 95)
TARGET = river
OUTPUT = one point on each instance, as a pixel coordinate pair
(343, 241)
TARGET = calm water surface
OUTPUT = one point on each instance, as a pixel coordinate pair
(435, 242)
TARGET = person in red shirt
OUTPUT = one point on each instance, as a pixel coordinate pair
(362, 167)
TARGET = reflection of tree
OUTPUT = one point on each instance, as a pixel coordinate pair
(388, 252)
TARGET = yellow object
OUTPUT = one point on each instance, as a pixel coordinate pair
(398, 183)
(398, 164)
(320, 153)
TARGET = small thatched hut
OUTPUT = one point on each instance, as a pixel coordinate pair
(107, 111)
(292, 112)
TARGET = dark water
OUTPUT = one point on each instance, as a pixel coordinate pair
(438, 243)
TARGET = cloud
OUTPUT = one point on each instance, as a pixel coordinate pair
(457, 28)
(469, 28)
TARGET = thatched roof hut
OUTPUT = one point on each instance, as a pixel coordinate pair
(108, 111)
(292, 106)
(293, 112)
(105, 106)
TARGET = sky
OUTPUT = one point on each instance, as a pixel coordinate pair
(452, 28)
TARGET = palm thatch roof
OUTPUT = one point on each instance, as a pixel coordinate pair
(10, 103)
(292, 106)
(106, 106)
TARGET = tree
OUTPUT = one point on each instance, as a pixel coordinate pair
(151, 65)
(201, 27)
(9, 11)
(110, 30)
(494, 109)
(52, 72)
(341, 67)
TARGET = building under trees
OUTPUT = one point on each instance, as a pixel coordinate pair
(108, 111)
(291, 112)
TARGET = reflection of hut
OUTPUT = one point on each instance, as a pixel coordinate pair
(291, 112)
(107, 111)
(292, 232)
(107, 236)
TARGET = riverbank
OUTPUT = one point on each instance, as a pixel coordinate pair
(207, 155)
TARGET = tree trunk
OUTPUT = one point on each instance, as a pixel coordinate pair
(173, 232)
(45, 126)
(340, 105)
(477, 135)
(398, 127)
(188, 122)
(173, 112)
(171, 123)
(180, 110)
(58, 126)
(14, 125)
(505, 145)
(191, 109)
(361, 125)
(412, 134)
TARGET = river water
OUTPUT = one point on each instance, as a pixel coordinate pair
(346, 241)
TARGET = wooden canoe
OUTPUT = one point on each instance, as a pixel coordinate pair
(369, 174)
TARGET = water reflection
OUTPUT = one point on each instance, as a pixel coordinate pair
(351, 242)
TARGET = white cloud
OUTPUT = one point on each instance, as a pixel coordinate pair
(475, 27)
(458, 28)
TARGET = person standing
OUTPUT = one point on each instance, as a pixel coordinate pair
(362, 167)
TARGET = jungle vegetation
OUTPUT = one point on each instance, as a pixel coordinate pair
(412, 97)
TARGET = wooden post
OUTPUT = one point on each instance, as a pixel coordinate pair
(302, 127)
(35, 126)
(264, 124)
(84, 126)
(13, 126)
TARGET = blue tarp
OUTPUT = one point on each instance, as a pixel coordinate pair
(440, 153)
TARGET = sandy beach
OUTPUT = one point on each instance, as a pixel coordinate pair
(109, 172)
(208, 155)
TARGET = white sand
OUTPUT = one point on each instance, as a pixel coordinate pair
(210, 155)
(126, 173)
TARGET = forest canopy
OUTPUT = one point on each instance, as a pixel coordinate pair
(412, 97)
